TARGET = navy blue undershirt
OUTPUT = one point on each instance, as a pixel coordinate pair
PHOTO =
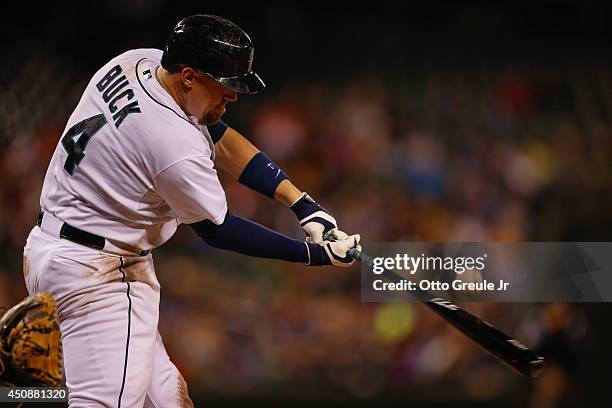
(246, 237)
(217, 130)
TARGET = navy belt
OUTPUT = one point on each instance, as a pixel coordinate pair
(81, 237)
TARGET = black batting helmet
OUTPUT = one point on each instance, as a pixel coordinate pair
(217, 47)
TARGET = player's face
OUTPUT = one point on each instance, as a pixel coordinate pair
(210, 99)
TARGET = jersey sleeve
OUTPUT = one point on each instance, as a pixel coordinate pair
(192, 190)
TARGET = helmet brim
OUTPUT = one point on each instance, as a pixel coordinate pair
(249, 83)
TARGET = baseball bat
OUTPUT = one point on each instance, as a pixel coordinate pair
(507, 349)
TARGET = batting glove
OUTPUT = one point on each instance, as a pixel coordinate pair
(314, 219)
(334, 252)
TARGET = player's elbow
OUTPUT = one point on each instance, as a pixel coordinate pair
(212, 233)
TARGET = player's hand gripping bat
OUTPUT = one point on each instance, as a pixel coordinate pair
(510, 351)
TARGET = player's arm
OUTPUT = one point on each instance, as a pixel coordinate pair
(191, 188)
(234, 153)
(239, 158)
(246, 237)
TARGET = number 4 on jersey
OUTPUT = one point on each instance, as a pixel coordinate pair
(76, 138)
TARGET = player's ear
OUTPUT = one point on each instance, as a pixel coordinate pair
(188, 77)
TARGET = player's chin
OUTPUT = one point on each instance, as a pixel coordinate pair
(213, 117)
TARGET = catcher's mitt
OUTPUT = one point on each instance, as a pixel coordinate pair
(30, 343)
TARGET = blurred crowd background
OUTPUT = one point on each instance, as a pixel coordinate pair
(440, 122)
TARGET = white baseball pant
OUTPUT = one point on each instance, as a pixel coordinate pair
(108, 310)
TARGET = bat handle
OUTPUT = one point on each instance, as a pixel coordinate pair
(353, 252)
(360, 256)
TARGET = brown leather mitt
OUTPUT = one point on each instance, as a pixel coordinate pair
(30, 343)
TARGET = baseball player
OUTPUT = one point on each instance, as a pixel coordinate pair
(137, 158)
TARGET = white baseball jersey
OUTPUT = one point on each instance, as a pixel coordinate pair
(131, 165)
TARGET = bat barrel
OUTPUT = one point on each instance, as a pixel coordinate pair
(510, 351)
(507, 349)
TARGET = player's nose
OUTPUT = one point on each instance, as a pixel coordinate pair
(231, 96)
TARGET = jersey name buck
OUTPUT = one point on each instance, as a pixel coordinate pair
(125, 167)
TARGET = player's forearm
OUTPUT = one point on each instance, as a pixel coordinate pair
(238, 157)
(244, 162)
(287, 193)
(249, 238)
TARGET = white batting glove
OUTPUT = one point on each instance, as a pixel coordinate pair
(334, 252)
(314, 219)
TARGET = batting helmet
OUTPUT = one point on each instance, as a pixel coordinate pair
(217, 47)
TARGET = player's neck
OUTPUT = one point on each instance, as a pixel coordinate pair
(166, 81)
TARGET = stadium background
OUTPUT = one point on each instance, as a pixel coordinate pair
(434, 122)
